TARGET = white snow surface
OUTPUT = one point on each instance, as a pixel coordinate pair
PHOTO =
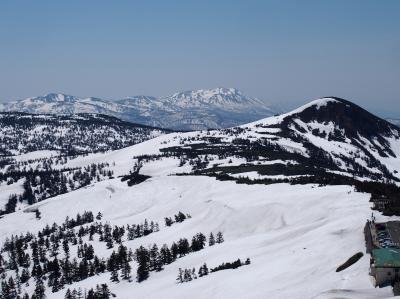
(296, 236)
(7, 190)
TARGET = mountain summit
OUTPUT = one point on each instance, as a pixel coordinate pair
(222, 97)
(188, 110)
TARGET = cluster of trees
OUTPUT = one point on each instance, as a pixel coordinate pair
(43, 184)
(37, 257)
(180, 217)
(186, 275)
(231, 265)
(139, 230)
(100, 292)
(134, 177)
(199, 155)
(154, 259)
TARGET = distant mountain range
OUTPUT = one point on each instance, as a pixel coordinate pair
(189, 110)
(394, 121)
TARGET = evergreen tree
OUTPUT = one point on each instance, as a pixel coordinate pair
(91, 294)
(168, 221)
(65, 248)
(180, 217)
(131, 233)
(24, 275)
(180, 276)
(165, 255)
(142, 257)
(12, 288)
(39, 291)
(89, 252)
(146, 229)
(194, 276)
(126, 271)
(187, 275)
(114, 275)
(153, 257)
(211, 240)
(183, 247)
(68, 295)
(55, 275)
(203, 270)
(174, 251)
(220, 238)
(104, 292)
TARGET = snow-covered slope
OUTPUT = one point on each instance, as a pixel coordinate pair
(190, 110)
(322, 139)
(295, 235)
(294, 249)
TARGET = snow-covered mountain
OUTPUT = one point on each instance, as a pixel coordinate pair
(320, 140)
(190, 110)
(289, 192)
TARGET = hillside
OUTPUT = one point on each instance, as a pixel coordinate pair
(189, 110)
(326, 137)
(281, 191)
(80, 133)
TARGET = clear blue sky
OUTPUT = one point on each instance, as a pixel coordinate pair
(285, 52)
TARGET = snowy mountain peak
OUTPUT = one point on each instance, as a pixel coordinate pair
(220, 96)
(53, 97)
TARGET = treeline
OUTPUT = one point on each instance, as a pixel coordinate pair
(186, 275)
(100, 292)
(180, 217)
(155, 258)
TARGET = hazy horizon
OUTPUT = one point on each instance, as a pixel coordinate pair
(283, 52)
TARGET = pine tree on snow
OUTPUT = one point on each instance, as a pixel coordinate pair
(211, 240)
(220, 238)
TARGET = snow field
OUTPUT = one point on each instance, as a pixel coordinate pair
(295, 236)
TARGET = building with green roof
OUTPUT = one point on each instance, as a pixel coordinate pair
(385, 266)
